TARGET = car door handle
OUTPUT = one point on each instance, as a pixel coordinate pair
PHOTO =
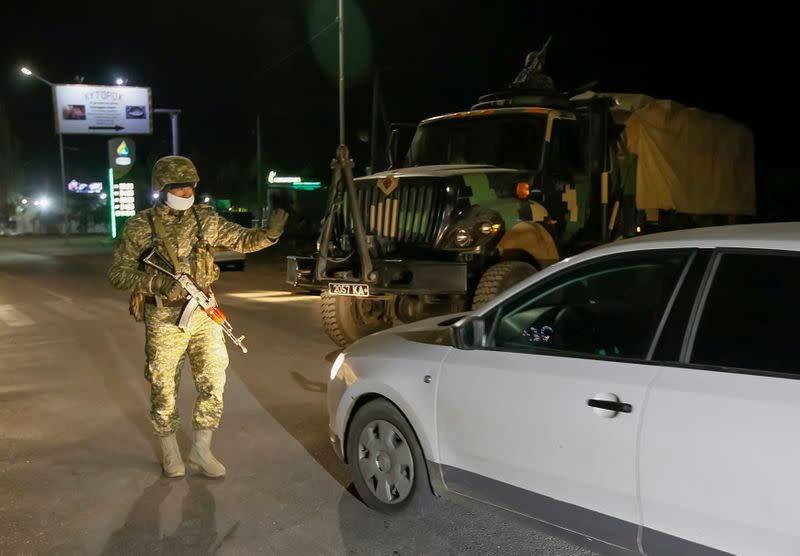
(621, 407)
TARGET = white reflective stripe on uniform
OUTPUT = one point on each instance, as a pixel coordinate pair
(14, 317)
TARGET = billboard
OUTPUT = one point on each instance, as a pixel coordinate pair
(78, 187)
(102, 109)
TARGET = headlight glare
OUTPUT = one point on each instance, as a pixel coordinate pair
(337, 365)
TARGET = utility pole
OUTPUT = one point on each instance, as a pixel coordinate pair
(259, 179)
(341, 72)
(373, 137)
(29, 73)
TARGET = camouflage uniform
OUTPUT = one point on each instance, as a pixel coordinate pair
(166, 345)
(532, 75)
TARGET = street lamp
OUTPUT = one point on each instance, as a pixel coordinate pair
(121, 81)
(29, 73)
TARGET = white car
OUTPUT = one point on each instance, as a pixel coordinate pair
(644, 394)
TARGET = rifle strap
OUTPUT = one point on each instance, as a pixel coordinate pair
(201, 238)
(161, 234)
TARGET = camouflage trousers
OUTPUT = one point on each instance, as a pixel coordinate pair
(166, 347)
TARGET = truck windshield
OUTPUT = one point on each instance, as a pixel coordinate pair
(509, 141)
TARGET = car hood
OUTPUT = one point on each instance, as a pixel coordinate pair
(435, 330)
(416, 345)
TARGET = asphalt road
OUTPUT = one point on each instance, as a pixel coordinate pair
(78, 461)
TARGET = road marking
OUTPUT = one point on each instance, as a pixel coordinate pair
(272, 297)
(14, 317)
(31, 285)
(70, 310)
(115, 304)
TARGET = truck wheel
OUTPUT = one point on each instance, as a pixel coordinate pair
(499, 278)
(346, 319)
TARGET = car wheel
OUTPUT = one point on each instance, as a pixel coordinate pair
(386, 460)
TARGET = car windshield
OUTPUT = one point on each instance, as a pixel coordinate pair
(509, 141)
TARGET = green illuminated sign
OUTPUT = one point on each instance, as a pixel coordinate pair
(306, 185)
(121, 201)
(111, 202)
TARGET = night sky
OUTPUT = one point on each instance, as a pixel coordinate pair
(222, 63)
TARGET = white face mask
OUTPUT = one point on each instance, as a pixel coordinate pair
(179, 203)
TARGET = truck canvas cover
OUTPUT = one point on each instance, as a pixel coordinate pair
(688, 160)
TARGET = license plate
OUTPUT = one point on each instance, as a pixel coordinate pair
(353, 290)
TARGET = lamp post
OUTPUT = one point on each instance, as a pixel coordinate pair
(174, 114)
(29, 73)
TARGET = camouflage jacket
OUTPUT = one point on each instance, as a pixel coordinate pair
(192, 247)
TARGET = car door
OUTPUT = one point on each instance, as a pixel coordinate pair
(545, 419)
(720, 445)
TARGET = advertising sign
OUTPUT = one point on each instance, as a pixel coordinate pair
(122, 203)
(79, 187)
(102, 109)
(121, 155)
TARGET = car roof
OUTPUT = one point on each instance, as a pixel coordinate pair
(776, 235)
(779, 236)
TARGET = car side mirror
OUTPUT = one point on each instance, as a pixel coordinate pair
(469, 333)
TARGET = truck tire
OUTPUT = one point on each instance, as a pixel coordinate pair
(346, 319)
(499, 278)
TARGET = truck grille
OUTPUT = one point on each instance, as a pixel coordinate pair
(413, 213)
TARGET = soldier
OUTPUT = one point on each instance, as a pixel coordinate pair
(532, 75)
(184, 233)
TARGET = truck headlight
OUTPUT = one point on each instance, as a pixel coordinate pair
(337, 365)
(463, 238)
(486, 228)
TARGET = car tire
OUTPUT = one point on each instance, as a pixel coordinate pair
(499, 278)
(346, 319)
(386, 461)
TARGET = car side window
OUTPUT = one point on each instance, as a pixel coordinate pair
(749, 319)
(608, 308)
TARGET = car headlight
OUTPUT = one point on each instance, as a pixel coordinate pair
(463, 238)
(337, 365)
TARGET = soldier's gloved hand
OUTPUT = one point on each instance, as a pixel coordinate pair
(275, 223)
(169, 288)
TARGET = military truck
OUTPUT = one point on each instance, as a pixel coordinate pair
(521, 180)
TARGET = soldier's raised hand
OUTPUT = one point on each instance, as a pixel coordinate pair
(275, 223)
